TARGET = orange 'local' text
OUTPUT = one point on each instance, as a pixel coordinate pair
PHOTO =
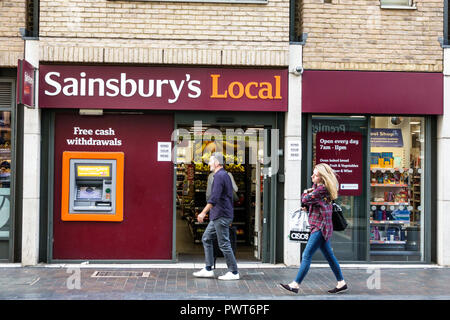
(251, 90)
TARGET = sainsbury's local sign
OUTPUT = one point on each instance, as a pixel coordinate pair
(162, 88)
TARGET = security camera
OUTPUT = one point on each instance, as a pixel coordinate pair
(297, 71)
(396, 120)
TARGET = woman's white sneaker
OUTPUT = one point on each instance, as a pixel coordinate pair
(204, 274)
(229, 276)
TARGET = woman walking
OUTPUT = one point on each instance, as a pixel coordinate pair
(318, 202)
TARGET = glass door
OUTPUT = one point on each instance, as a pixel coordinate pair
(341, 142)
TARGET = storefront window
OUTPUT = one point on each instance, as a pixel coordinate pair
(380, 165)
(397, 189)
(5, 173)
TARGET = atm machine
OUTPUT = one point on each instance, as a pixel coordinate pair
(92, 186)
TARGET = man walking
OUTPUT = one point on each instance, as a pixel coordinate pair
(220, 207)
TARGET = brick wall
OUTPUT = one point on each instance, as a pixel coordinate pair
(358, 35)
(12, 17)
(165, 32)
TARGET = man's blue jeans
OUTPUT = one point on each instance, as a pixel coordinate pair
(316, 241)
(220, 229)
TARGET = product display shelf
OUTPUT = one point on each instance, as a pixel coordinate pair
(239, 173)
(390, 192)
(387, 242)
(197, 228)
(5, 172)
(382, 203)
(388, 185)
(375, 169)
(389, 222)
(5, 154)
(184, 201)
(416, 196)
(201, 174)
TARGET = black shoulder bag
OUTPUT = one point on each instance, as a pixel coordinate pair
(339, 222)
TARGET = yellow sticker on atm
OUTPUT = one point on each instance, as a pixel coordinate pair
(93, 171)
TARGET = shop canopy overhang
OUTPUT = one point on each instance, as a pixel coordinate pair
(360, 92)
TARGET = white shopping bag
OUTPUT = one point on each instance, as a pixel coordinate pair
(299, 229)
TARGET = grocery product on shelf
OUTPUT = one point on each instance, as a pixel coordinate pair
(392, 209)
(197, 195)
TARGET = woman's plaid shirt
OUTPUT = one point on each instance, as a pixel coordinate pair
(320, 210)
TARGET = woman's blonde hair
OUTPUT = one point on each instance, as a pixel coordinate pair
(329, 179)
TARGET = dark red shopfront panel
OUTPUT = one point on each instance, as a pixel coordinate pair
(359, 92)
(146, 229)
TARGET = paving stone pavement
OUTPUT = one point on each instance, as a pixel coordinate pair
(171, 283)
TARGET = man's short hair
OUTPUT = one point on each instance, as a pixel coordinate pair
(218, 156)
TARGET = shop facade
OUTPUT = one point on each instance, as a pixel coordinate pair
(165, 122)
(379, 134)
(314, 105)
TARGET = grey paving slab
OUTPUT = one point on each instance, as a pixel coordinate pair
(372, 283)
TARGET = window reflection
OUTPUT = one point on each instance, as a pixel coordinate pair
(5, 173)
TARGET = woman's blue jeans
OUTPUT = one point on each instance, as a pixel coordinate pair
(316, 241)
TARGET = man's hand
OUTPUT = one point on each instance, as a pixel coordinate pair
(200, 217)
(202, 214)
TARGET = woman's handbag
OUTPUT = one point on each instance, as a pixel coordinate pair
(339, 222)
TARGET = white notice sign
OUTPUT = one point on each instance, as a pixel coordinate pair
(294, 151)
(349, 186)
(164, 151)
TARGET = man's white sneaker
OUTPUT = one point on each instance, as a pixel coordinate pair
(204, 274)
(229, 276)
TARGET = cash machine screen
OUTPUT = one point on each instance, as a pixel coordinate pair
(89, 193)
(95, 174)
(93, 186)
(93, 171)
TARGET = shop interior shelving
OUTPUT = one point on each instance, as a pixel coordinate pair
(193, 201)
(392, 210)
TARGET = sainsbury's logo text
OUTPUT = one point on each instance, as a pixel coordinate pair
(124, 86)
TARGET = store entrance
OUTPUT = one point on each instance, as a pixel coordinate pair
(243, 149)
